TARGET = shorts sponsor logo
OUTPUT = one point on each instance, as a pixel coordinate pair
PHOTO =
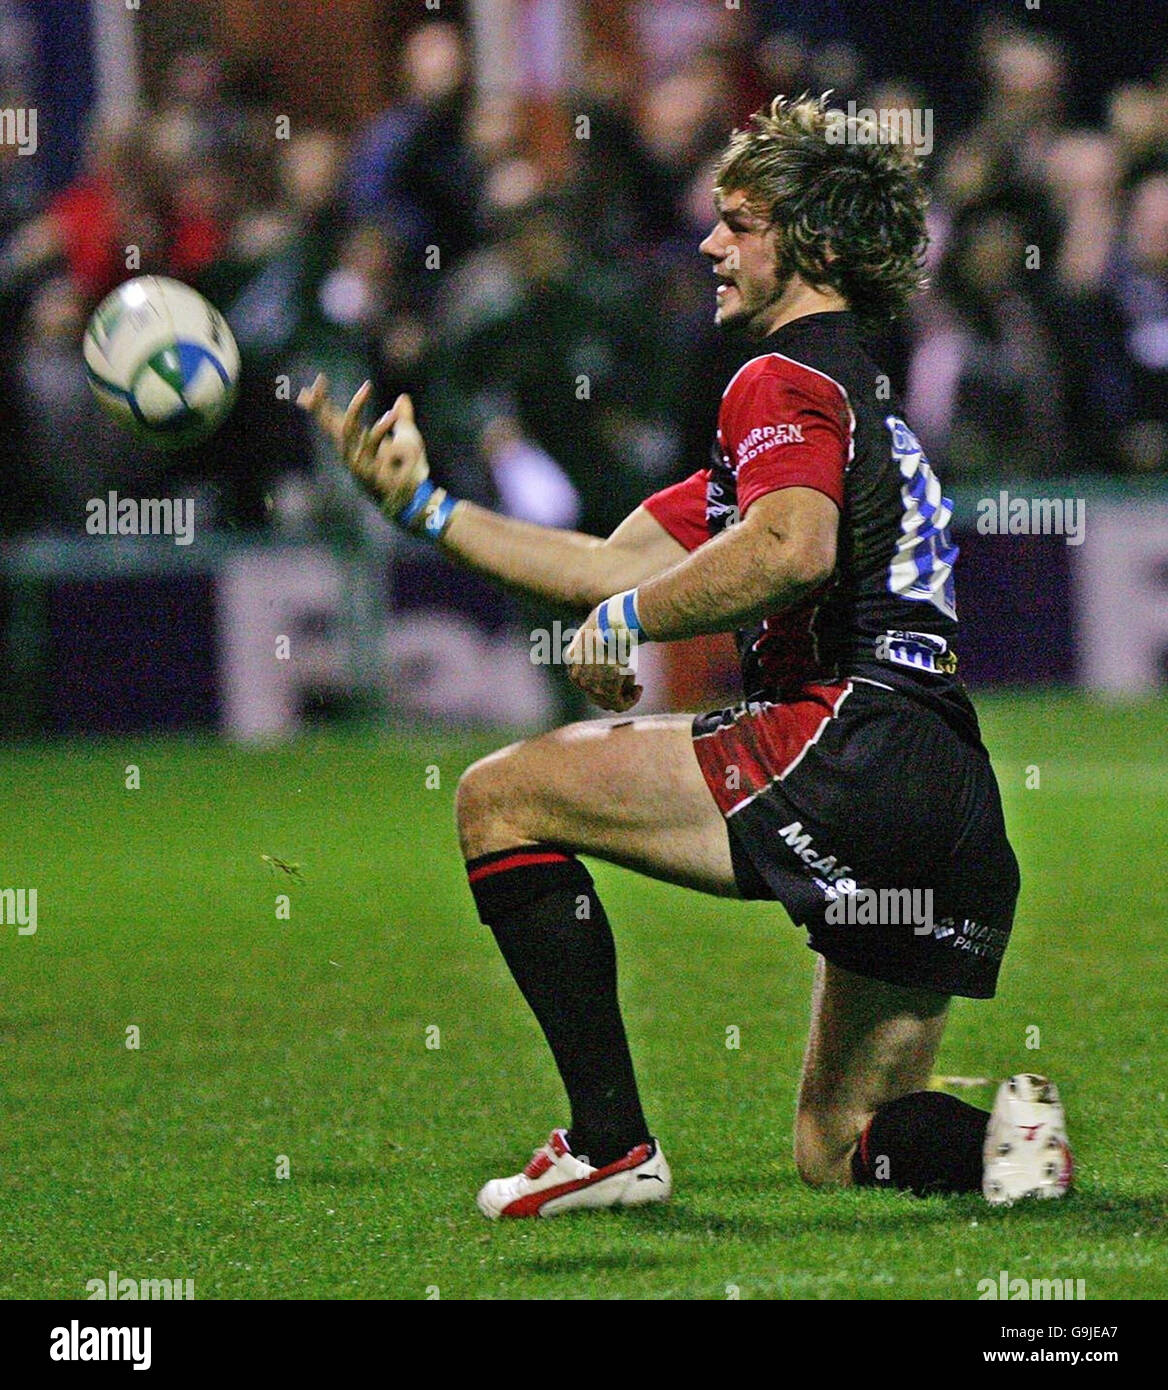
(971, 936)
(799, 841)
(888, 906)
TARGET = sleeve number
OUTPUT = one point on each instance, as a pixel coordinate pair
(922, 565)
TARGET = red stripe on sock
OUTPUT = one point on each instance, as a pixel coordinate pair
(519, 860)
(864, 1149)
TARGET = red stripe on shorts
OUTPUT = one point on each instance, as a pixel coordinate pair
(742, 759)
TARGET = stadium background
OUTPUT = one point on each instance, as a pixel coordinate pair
(497, 209)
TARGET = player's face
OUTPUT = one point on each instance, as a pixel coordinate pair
(743, 248)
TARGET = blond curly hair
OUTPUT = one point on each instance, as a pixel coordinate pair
(845, 193)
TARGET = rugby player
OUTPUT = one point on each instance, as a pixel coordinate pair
(854, 765)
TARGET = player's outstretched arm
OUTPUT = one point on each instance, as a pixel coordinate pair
(389, 460)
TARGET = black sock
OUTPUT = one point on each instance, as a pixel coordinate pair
(542, 907)
(924, 1142)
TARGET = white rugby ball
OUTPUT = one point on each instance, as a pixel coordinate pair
(161, 359)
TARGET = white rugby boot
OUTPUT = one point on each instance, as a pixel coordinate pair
(1026, 1152)
(556, 1181)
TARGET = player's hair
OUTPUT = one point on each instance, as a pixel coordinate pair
(845, 195)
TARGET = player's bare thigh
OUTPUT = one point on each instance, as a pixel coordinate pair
(627, 789)
(869, 1043)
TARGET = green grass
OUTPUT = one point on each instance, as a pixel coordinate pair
(306, 1038)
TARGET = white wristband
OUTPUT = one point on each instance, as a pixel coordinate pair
(620, 625)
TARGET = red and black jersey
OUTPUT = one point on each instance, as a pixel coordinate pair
(815, 411)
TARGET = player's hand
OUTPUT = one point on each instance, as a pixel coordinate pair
(600, 674)
(389, 460)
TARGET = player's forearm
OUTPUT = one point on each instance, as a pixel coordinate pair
(389, 461)
(741, 576)
(559, 566)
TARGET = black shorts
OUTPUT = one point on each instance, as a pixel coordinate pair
(876, 824)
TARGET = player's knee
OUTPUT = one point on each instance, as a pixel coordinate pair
(474, 796)
(823, 1147)
(481, 801)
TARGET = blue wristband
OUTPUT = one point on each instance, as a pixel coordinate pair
(410, 512)
(428, 511)
(619, 612)
(619, 624)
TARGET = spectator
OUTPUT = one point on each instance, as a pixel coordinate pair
(411, 168)
(1140, 295)
(69, 451)
(983, 390)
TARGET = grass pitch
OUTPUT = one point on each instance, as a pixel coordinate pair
(305, 1039)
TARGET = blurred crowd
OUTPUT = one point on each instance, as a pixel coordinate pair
(532, 277)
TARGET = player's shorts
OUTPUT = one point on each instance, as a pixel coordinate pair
(876, 825)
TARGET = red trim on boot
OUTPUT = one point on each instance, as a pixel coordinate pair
(531, 1204)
